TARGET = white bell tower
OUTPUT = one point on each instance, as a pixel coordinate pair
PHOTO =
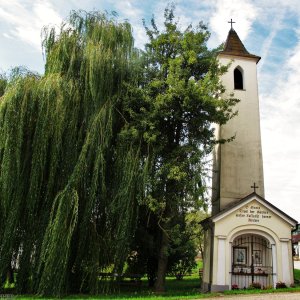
(242, 220)
(238, 164)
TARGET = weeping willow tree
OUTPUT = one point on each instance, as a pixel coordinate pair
(71, 170)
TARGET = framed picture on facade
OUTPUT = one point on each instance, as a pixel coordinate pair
(257, 257)
(240, 255)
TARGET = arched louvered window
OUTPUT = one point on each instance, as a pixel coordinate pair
(238, 79)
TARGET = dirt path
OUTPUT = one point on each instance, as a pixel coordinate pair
(269, 296)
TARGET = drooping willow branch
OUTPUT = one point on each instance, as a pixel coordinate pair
(69, 178)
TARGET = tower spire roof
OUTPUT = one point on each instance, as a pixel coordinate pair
(234, 46)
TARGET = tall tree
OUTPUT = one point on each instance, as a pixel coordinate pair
(183, 91)
(193, 219)
(70, 169)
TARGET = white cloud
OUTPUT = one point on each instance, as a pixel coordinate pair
(243, 12)
(280, 131)
(133, 11)
(128, 8)
(25, 19)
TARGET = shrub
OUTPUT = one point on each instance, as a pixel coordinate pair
(179, 276)
(281, 285)
(234, 287)
(268, 287)
(255, 286)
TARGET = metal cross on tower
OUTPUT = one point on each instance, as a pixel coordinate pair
(254, 186)
(231, 22)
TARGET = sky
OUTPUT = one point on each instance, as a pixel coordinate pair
(268, 28)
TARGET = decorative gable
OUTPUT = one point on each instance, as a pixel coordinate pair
(254, 212)
(254, 209)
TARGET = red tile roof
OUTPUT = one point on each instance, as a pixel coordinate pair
(295, 238)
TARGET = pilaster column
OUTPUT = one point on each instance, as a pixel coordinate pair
(221, 266)
(274, 265)
(286, 277)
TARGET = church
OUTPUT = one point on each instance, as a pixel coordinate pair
(247, 239)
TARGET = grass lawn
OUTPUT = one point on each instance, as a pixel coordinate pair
(188, 288)
(297, 275)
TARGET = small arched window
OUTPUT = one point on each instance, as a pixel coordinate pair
(238, 79)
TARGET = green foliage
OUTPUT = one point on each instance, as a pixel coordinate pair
(297, 275)
(70, 172)
(3, 83)
(56, 245)
(182, 258)
(182, 252)
(254, 285)
(144, 255)
(193, 218)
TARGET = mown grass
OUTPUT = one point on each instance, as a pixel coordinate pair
(188, 288)
(297, 275)
(167, 296)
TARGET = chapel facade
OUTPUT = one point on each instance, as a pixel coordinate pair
(247, 239)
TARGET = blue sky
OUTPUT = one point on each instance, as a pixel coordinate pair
(268, 28)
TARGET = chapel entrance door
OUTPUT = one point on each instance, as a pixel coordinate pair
(252, 264)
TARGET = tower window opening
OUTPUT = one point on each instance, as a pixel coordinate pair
(238, 79)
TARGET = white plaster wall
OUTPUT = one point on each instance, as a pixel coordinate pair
(241, 160)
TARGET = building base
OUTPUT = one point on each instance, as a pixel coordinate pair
(219, 288)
